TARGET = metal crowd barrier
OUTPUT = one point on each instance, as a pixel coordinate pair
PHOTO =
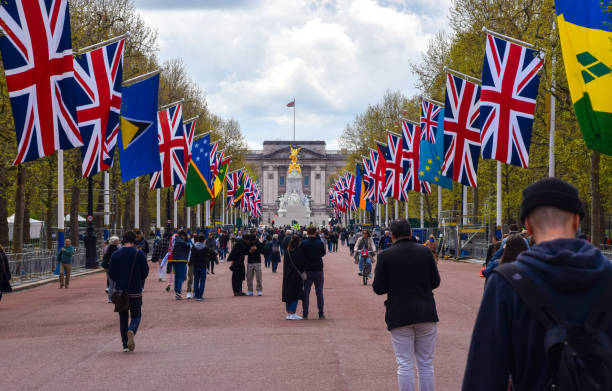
(39, 264)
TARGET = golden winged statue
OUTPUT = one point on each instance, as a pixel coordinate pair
(294, 166)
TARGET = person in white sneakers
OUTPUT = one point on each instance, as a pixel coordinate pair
(293, 284)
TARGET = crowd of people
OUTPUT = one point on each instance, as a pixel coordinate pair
(543, 322)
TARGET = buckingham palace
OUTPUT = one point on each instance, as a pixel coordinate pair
(317, 165)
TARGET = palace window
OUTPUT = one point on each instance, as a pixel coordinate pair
(317, 176)
(281, 180)
(306, 180)
(270, 176)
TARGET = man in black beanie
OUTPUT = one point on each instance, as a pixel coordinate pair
(568, 277)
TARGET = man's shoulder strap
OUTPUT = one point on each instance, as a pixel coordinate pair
(536, 299)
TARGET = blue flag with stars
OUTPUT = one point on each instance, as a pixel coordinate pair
(431, 158)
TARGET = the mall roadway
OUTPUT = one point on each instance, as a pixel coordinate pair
(64, 340)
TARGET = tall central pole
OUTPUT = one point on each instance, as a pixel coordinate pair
(293, 119)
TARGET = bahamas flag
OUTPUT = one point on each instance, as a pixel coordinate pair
(138, 145)
(197, 188)
(431, 157)
(586, 39)
(360, 201)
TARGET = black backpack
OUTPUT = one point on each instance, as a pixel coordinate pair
(580, 354)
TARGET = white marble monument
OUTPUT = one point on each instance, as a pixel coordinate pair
(294, 206)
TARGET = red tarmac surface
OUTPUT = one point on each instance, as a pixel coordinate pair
(66, 340)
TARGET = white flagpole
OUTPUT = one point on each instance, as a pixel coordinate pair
(464, 210)
(422, 220)
(137, 203)
(293, 119)
(498, 220)
(199, 216)
(158, 209)
(223, 204)
(106, 204)
(406, 209)
(207, 211)
(387, 214)
(175, 214)
(439, 204)
(60, 199)
(396, 209)
(188, 218)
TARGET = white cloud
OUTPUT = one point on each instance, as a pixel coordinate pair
(334, 56)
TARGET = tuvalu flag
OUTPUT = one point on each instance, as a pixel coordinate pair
(138, 144)
(197, 189)
(586, 39)
(431, 157)
(360, 200)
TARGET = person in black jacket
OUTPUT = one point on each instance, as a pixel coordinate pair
(141, 243)
(5, 274)
(112, 247)
(128, 268)
(254, 265)
(240, 249)
(407, 273)
(293, 285)
(199, 260)
(314, 250)
(508, 340)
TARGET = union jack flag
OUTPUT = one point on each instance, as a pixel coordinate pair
(179, 191)
(429, 120)
(189, 133)
(257, 202)
(246, 202)
(378, 177)
(339, 193)
(509, 90)
(411, 143)
(368, 179)
(37, 55)
(349, 192)
(172, 148)
(395, 166)
(214, 161)
(233, 183)
(461, 130)
(98, 74)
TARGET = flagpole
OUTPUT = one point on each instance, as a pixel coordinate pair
(293, 119)
(175, 214)
(387, 214)
(422, 221)
(498, 220)
(406, 209)
(158, 212)
(396, 210)
(551, 136)
(60, 199)
(106, 204)
(139, 78)
(439, 204)
(199, 216)
(207, 221)
(137, 203)
(188, 218)
(464, 208)
(223, 203)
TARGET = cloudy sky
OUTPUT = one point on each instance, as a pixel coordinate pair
(252, 57)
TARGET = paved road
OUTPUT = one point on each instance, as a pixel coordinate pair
(65, 340)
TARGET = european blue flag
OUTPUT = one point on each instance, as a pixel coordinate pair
(431, 158)
(138, 144)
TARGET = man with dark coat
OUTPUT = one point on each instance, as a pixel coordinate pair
(314, 250)
(128, 268)
(239, 250)
(293, 285)
(408, 274)
(508, 340)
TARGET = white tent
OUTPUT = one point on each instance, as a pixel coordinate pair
(80, 218)
(35, 227)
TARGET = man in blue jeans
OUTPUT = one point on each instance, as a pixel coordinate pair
(314, 250)
(128, 269)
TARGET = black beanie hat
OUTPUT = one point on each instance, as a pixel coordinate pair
(551, 192)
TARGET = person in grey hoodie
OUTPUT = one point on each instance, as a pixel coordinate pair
(508, 340)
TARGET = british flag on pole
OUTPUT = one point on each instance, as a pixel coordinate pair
(37, 54)
(507, 102)
(349, 192)
(172, 148)
(411, 143)
(368, 178)
(429, 120)
(188, 133)
(98, 74)
(461, 130)
(378, 176)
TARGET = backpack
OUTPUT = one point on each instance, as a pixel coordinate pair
(580, 354)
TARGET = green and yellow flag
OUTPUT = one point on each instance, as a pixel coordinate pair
(197, 189)
(220, 178)
(586, 39)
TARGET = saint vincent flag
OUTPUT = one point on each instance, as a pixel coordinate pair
(586, 39)
(220, 178)
(197, 188)
(138, 145)
(431, 157)
(360, 201)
